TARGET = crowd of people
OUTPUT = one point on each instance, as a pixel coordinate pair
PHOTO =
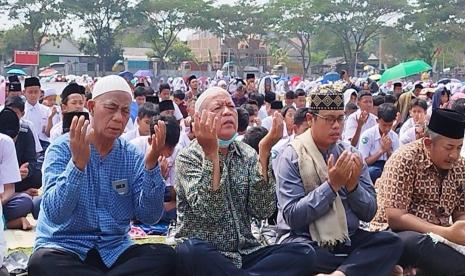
(357, 178)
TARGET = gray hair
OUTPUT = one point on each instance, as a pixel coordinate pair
(433, 135)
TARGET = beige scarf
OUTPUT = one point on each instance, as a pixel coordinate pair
(331, 228)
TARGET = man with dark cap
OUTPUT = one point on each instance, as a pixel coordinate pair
(72, 100)
(36, 112)
(324, 191)
(421, 191)
(192, 87)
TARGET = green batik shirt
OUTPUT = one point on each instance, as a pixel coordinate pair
(223, 217)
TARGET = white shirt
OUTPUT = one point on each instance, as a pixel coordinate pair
(34, 134)
(184, 140)
(268, 123)
(38, 115)
(406, 126)
(177, 112)
(370, 143)
(277, 149)
(56, 131)
(130, 135)
(142, 144)
(351, 125)
(9, 174)
(408, 136)
(9, 168)
(262, 114)
(57, 117)
(129, 126)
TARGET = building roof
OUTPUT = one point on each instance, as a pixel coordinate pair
(63, 47)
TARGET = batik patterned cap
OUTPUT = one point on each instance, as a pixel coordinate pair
(327, 97)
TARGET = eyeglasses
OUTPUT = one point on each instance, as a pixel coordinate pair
(330, 120)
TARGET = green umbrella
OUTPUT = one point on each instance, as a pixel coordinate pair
(404, 70)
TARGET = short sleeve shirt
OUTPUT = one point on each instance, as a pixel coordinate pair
(370, 142)
(9, 168)
(411, 182)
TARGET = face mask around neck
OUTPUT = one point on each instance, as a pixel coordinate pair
(226, 143)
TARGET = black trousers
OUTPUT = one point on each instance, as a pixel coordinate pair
(197, 257)
(370, 253)
(146, 259)
(431, 258)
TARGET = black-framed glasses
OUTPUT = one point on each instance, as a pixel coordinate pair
(330, 120)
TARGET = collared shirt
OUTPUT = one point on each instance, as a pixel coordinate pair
(9, 168)
(56, 131)
(411, 182)
(297, 210)
(278, 149)
(406, 126)
(89, 209)
(222, 217)
(370, 143)
(130, 135)
(351, 125)
(38, 115)
(408, 136)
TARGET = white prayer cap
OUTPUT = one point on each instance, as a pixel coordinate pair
(50, 92)
(208, 93)
(110, 83)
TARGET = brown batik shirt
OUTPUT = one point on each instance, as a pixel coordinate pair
(411, 182)
(223, 217)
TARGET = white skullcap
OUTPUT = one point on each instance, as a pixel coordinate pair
(50, 92)
(110, 84)
(222, 83)
(208, 93)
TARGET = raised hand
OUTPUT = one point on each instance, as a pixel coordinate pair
(276, 132)
(362, 119)
(163, 161)
(79, 141)
(205, 128)
(356, 171)
(156, 145)
(339, 173)
(24, 170)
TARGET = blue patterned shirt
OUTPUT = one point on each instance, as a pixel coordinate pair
(81, 210)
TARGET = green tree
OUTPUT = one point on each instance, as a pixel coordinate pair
(13, 39)
(245, 22)
(162, 20)
(294, 22)
(102, 19)
(180, 52)
(39, 19)
(356, 22)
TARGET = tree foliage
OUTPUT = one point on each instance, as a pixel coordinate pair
(101, 19)
(162, 20)
(39, 19)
